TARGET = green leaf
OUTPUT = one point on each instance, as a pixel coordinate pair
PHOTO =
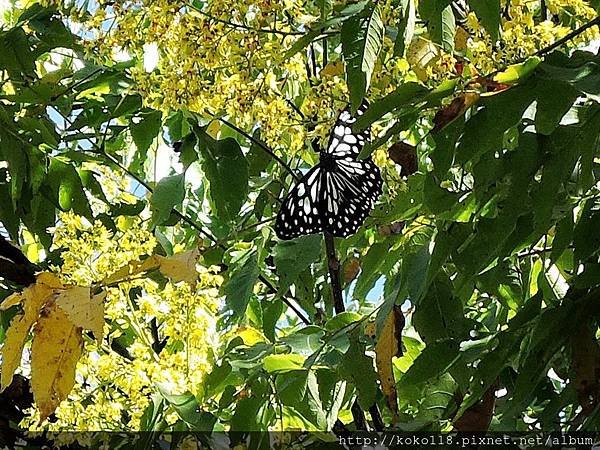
(362, 39)
(291, 387)
(440, 22)
(14, 153)
(585, 236)
(227, 171)
(40, 218)
(563, 149)
(50, 30)
(518, 72)
(440, 314)
(484, 132)
(436, 198)
(406, 27)
(341, 320)
(370, 268)
(258, 159)
(16, 56)
(283, 363)
(151, 419)
(563, 236)
(293, 257)
(445, 144)
(488, 12)
(415, 267)
(246, 414)
(123, 106)
(168, 193)
(67, 189)
(358, 368)
(305, 40)
(434, 360)
(305, 341)
(404, 95)
(145, 129)
(581, 71)
(8, 216)
(238, 288)
(187, 150)
(319, 28)
(188, 410)
(546, 338)
(177, 126)
(404, 121)
(506, 348)
(554, 99)
(271, 311)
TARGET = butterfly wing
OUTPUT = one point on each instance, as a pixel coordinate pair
(335, 200)
(300, 212)
(350, 192)
(342, 140)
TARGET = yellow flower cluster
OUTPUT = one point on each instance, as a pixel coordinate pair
(229, 58)
(223, 59)
(115, 381)
(91, 252)
(524, 32)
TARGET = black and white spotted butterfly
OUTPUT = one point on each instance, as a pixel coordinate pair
(338, 193)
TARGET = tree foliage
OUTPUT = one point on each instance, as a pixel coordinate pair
(144, 151)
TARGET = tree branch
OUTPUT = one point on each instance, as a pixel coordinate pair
(14, 266)
(338, 305)
(334, 273)
(568, 37)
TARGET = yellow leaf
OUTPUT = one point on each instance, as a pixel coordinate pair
(11, 300)
(250, 335)
(82, 309)
(180, 267)
(49, 279)
(351, 269)
(421, 55)
(389, 345)
(34, 298)
(213, 129)
(332, 69)
(56, 348)
(370, 330)
(461, 38)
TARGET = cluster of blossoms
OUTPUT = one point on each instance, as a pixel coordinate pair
(526, 28)
(113, 388)
(231, 59)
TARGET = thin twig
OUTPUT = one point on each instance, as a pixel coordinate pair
(568, 37)
(76, 84)
(213, 239)
(258, 142)
(100, 151)
(245, 27)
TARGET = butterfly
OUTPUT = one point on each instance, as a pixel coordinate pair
(337, 194)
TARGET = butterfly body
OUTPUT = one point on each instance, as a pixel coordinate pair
(337, 194)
